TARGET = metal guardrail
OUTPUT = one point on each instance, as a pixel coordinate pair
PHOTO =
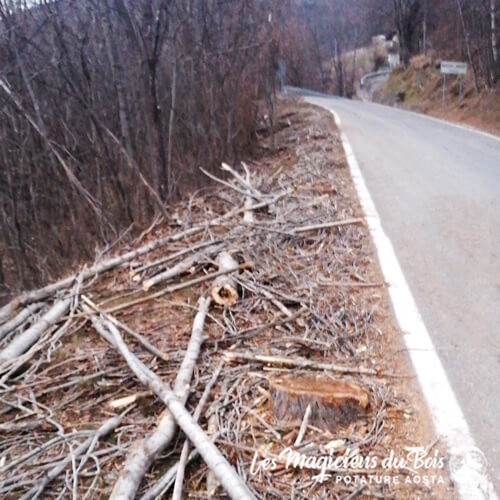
(373, 74)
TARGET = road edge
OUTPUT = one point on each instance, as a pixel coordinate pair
(467, 464)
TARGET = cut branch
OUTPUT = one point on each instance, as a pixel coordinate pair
(18, 320)
(103, 431)
(25, 340)
(232, 356)
(327, 225)
(145, 452)
(232, 483)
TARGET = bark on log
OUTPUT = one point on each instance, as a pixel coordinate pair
(231, 482)
(145, 452)
(224, 290)
(167, 479)
(35, 295)
(181, 267)
(167, 258)
(212, 483)
(25, 340)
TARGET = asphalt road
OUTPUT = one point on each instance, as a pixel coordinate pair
(437, 190)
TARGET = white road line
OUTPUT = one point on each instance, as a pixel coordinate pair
(468, 466)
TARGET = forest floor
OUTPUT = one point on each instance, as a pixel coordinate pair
(311, 306)
(420, 88)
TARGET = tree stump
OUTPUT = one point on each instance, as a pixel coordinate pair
(333, 402)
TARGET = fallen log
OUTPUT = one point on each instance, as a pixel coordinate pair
(231, 482)
(224, 291)
(25, 340)
(180, 268)
(137, 336)
(327, 225)
(167, 479)
(178, 286)
(167, 258)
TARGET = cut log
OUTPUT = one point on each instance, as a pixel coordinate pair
(327, 225)
(212, 483)
(332, 402)
(135, 272)
(224, 290)
(248, 214)
(25, 340)
(145, 452)
(228, 477)
(159, 488)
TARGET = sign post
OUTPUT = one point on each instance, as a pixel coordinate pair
(452, 68)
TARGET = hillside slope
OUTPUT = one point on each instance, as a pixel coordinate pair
(419, 88)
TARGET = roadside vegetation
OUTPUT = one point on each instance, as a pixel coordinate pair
(419, 87)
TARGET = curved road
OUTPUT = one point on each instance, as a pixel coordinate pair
(437, 190)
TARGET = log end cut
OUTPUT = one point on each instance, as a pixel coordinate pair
(224, 292)
(333, 402)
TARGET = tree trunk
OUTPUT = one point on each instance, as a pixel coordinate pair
(467, 45)
(494, 40)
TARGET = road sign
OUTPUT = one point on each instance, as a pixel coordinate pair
(453, 68)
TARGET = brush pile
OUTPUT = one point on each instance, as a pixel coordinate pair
(254, 321)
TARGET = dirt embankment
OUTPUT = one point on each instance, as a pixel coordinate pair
(310, 327)
(419, 87)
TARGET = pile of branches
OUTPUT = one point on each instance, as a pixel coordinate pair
(266, 274)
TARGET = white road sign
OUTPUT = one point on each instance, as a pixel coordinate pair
(453, 68)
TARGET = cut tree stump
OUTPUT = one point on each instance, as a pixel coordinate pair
(332, 401)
